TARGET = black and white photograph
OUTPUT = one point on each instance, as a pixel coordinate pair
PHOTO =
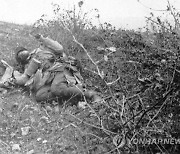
(89, 76)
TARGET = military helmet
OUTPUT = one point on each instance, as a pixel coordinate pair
(22, 55)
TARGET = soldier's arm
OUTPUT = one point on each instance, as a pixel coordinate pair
(50, 43)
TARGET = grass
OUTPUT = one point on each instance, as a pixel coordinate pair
(131, 108)
(25, 126)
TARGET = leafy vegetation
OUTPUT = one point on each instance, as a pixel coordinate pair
(136, 73)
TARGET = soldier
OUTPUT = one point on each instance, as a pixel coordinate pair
(42, 57)
(50, 77)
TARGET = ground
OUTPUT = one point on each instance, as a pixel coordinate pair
(26, 127)
(138, 77)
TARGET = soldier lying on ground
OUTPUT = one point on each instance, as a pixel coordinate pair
(48, 73)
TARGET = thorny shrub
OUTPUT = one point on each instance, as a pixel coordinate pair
(136, 73)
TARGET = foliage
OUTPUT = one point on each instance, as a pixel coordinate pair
(137, 75)
(135, 72)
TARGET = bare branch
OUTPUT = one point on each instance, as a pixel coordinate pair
(174, 16)
(91, 125)
(99, 73)
(113, 82)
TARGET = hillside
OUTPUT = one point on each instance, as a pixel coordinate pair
(136, 73)
(25, 126)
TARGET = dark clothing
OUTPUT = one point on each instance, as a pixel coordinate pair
(44, 94)
(63, 85)
(58, 75)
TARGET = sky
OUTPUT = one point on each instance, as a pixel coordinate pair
(128, 14)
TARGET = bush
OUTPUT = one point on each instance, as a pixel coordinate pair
(137, 74)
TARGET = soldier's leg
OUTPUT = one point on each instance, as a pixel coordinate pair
(7, 72)
(61, 89)
(44, 94)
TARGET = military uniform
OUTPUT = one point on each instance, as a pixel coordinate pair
(55, 78)
(50, 75)
(62, 82)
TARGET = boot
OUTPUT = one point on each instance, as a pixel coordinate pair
(4, 81)
(21, 79)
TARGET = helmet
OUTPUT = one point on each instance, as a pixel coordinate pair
(22, 55)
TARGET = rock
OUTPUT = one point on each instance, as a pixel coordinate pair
(9, 114)
(44, 142)
(163, 61)
(12, 134)
(25, 130)
(16, 147)
(39, 139)
(44, 119)
(82, 105)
